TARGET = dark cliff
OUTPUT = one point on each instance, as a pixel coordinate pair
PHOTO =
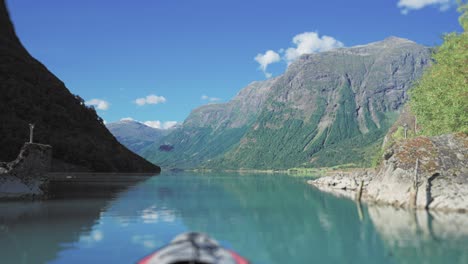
(29, 93)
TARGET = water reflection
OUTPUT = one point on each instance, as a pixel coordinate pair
(36, 232)
(267, 218)
(276, 219)
(419, 236)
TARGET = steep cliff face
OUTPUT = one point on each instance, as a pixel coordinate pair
(424, 172)
(29, 93)
(211, 130)
(241, 111)
(421, 172)
(26, 175)
(327, 109)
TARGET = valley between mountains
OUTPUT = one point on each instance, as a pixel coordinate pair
(328, 109)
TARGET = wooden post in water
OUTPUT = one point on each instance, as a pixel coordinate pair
(414, 192)
(359, 191)
(359, 210)
(416, 174)
(358, 200)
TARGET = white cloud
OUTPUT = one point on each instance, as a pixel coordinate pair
(211, 99)
(150, 99)
(147, 241)
(160, 125)
(408, 5)
(98, 104)
(94, 237)
(305, 43)
(97, 235)
(310, 42)
(150, 215)
(150, 244)
(266, 59)
(154, 124)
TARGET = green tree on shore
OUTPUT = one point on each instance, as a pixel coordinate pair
(440, 98)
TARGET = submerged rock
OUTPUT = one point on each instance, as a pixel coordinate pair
(422, 172)
(26, 175)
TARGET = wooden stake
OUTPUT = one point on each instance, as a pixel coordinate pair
(414, 193)
(359, 192)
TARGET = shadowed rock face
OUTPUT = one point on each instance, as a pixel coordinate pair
(32, 94)
(26, 175)
(328, 108)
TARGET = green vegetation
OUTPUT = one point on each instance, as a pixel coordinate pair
(345, 125)
(331, 110)
(300, 144)
(440, 99)
(288, 149)
(193, 146)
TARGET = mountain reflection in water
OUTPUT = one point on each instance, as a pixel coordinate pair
(266, 218)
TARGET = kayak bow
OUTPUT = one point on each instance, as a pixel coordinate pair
(193, 248)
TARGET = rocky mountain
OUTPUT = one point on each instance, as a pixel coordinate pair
(211, 130)
(135, 135)
(29, 93)
(330, 108)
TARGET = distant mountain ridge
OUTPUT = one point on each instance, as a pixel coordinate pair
(211, 129)
(29, 93)
(136, 135)
(327, 109)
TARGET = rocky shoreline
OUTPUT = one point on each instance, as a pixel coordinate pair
(26, 176)
(423, 172)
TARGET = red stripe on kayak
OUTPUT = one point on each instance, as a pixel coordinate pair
(147, 259)
(237, 258)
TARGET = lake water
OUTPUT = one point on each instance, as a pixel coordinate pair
(266, 218)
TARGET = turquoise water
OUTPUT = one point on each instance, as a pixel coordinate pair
(266, 218)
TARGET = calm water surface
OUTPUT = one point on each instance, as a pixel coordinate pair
(266, 218)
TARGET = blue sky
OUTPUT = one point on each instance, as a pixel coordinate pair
(156, 60)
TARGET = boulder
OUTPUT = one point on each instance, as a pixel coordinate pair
(421, 172)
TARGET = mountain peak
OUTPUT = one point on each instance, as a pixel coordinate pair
(389, 44)
(8, 34)
(325, 103)
(390, 41)
(124, 120)
(6, 27)
(395, 38)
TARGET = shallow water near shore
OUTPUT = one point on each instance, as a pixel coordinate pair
(266, 218)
